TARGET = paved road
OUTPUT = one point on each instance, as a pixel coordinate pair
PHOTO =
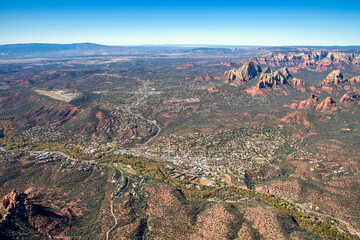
(121, 186)
(349, 227)
(144, 92)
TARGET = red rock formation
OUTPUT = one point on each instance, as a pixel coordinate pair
(328, 101)
(355, 80)
(297, 82)
(309, 103)
(6, 202)
(351, 97)
(188, 65)
(188, 78)
(226, 64)
(345, 98)
(102, 117)
(314, 60)
(207, 77)
(56, 114)
(237, 77)
(9, 202)
(104, 122)
(270, 78)
(326, 104)
(335, 78)
(214, 90)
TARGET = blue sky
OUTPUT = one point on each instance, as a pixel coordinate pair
(181, 22)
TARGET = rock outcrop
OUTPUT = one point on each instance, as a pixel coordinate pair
(334, 78)
(311, 60)
(214, 89)
(309, 103)
(355, 79)
(326, 104)
(10, 202)
(207, 77)
(297, 82)
(313, 103)
(246, 72)
(353, 97)
(228, 64)
(269, 77)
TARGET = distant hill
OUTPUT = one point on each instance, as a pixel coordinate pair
(35, 50)
(48, 50)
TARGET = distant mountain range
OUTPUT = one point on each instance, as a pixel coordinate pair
(45, 50)
(36, 50)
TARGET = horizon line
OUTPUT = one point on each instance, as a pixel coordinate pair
(176, 44)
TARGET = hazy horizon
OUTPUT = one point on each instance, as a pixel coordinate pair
(261, 23)
(190, 45)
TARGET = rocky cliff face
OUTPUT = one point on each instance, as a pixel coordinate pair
(297, 82)
(353, 97)
(36, 220)
(313, 60)
(9, 203)
(267, 76)
(334, 78)
(270, 77)
(246, 72)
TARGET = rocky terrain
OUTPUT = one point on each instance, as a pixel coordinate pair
(42, 210)
(314, 60)
(246, 72)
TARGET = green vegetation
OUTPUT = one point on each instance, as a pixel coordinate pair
(152, 169)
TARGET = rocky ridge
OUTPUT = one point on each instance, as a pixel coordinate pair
(311, 60)
(246, 72)
(351, 97)
(267, 76)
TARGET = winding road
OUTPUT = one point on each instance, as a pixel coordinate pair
(349, 227)
(114, 195)
(144, 92)
(120, 188)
